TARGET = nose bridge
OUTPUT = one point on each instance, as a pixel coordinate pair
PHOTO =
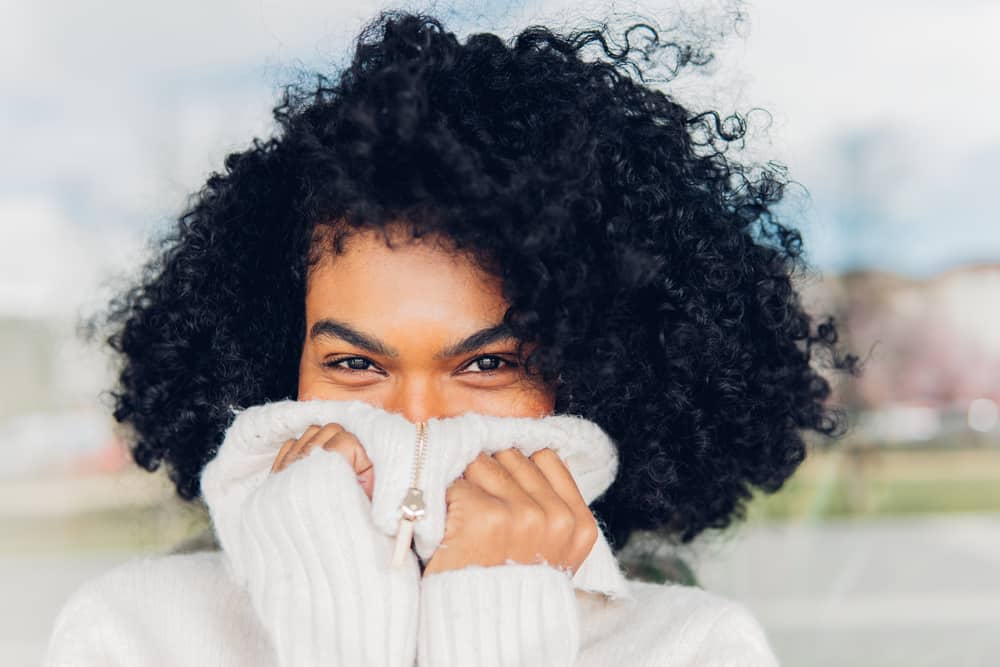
(417, 399)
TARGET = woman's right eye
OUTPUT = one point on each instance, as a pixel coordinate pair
(355, 364)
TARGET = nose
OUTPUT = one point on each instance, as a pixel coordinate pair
(418, 403)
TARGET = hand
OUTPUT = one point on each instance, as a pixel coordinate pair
(511, 507)
(334, 438)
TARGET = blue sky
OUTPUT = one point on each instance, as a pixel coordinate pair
(115, 111)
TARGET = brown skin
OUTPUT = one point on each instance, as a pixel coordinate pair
(418, 299)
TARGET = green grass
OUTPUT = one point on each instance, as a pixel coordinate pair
(853, 483)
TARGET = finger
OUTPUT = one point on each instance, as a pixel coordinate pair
(348, 446)
(462, 490)
(320, 436)
(532, 480)
(559, 476)
(307, 434)
(465, 499)
(314, 435)
(560, 519)
(497, 481)
(318, 439)
(351, 448)
(278, 463)
(290, 447)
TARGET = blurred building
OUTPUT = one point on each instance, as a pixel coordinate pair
(930, 348)
(52, 414)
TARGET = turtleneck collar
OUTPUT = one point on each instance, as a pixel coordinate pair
(252, 441)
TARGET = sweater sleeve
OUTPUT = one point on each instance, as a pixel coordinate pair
(499, 616)
(318, 571)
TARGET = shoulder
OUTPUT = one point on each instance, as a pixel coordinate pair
(704, 628)
(679, 625)
(143, 607)
(162, 567)
(156, 583)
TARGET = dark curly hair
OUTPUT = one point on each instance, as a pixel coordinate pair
(649, 268)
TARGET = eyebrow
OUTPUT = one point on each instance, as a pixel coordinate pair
(332, 328)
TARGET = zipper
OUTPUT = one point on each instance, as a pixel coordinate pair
(412, 508)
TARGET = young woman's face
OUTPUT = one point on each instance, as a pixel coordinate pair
(412, 329)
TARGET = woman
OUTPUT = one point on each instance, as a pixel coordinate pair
(433, 302)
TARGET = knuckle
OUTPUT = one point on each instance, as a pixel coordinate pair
(588, 526)
(329, 431)
(562, 522)
(349, 447)
(345, 442)
(511, 455)
(586, 532)
(339, 439)
(544, 454)
(497, 517)
(531, 519)
(456, 490)
(305, 438)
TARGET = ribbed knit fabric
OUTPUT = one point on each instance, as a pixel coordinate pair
(304, 576)
(318, 571)
(535, 606)
(255, 436)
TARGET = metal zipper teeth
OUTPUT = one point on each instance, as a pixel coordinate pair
(412, 508)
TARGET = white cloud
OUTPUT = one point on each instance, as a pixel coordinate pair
(50, 267)
(115, 111)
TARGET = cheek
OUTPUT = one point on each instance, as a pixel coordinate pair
(319, 390)
(308, 387)
(529, 402)
(543, 401)
(542, 398)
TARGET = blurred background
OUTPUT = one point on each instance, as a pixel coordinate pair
(882, 550)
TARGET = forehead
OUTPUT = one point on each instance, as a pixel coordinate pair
(415, 279)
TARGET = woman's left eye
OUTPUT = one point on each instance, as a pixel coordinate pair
(497, 364)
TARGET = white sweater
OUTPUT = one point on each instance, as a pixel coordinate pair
(304, 575)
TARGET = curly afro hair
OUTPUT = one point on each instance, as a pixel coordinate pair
(648, 267)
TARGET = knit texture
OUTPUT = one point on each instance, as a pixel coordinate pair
(318, 571)
(534, 604)
(304, 575)
(255, 436)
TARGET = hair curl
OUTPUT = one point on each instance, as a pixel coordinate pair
(648, 266)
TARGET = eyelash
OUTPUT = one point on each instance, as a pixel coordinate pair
(334, 364)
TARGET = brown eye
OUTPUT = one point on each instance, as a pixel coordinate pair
(492, 365)
(355, 364)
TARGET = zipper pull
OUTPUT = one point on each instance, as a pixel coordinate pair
(412, 508)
